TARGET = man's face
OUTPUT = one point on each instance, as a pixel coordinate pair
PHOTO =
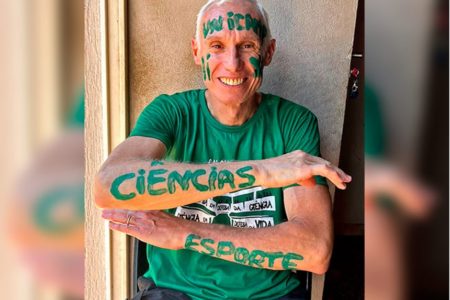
(230, 52)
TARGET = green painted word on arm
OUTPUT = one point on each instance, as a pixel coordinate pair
(255, 258)
(158, 181)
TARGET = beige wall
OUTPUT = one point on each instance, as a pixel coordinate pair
(311, 64)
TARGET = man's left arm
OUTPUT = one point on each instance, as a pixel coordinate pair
(304, 242)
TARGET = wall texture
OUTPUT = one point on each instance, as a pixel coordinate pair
(310, 67)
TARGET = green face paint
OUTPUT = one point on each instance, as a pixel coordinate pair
(116, 184)
(237, 20)
(212, 25)
(256, 63)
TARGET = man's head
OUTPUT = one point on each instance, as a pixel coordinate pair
(232, 44)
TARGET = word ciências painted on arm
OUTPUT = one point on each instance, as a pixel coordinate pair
(255, 258)
(158, 181)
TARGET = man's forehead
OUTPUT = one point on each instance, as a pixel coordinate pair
(236, 7)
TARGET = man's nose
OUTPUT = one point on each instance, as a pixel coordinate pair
(232, 60)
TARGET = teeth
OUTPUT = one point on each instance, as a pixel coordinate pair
(232, 81)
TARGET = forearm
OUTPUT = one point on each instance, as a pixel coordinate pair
(151, 185)
(290, 245)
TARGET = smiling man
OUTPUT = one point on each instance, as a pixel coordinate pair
(237, 173)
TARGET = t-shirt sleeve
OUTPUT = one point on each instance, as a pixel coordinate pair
(158, 120)
(301, 132)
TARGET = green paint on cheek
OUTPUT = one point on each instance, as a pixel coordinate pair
(287, 260)
(203, 69)
(251, 179)
(224, 177)
(225, 248)
(153, 180)
(197, 185)
(116, 184)
(256, 63)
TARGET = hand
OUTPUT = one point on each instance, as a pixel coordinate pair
(300, 167)
(152, 227)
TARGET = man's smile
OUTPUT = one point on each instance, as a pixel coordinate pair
(232, 81)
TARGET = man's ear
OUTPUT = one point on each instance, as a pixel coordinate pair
(269, 52)
(195, 51)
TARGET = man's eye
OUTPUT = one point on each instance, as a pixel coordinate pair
(248, 46)
(216, 46)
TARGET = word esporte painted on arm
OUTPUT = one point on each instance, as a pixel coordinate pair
(255, 258)
(235, 21)
(158, 180)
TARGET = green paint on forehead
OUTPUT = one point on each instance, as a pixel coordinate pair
(235, 21)
(256, 63)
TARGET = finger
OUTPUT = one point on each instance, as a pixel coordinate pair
(319, 160)
(131, 229)
(330, 173)
(116, 215)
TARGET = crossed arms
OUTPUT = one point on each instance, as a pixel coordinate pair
(132, 182)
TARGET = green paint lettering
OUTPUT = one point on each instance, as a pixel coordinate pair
(189, 243)
(212, 179)
(225, 248)
(230, 20)
(153, 180)
(241, 255)
(241, 173)
(200, 187)
(237, 20)
(272, 256)
(140, 182)
(256, 258)
(209, 250)
(183, 181)
(225, 176)
(156, 163)
(116, 184)
(287, 260)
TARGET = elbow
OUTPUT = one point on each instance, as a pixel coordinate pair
(101, 195)
(322, 259)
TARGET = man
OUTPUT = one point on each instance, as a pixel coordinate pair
(233, 168)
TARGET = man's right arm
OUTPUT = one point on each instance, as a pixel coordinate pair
(134, 177)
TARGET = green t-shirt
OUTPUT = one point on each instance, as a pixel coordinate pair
(191, 134)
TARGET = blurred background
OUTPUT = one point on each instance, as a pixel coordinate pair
(402, 100)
